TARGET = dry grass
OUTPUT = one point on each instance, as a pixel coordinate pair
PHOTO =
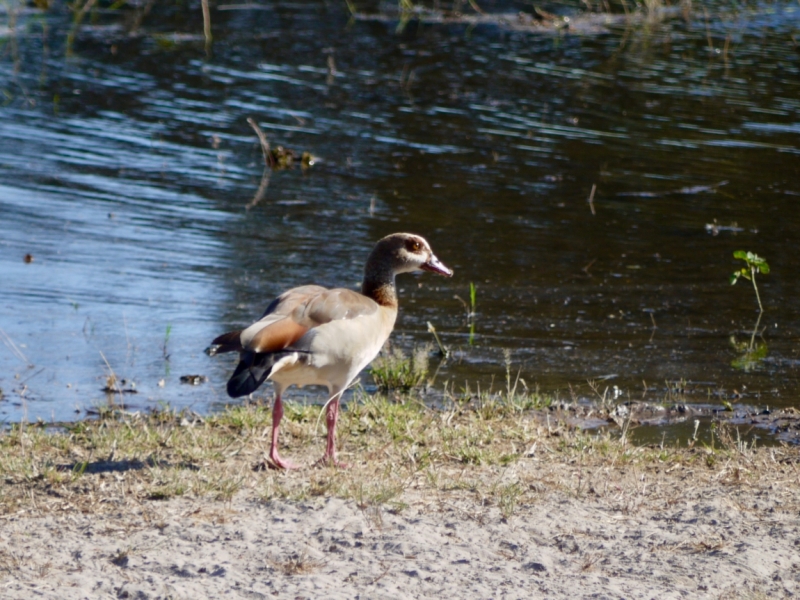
(494, 452)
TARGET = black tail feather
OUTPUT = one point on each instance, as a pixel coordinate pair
(251, 372)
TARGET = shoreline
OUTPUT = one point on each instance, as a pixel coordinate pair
(480, 501)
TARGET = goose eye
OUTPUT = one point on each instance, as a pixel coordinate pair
(414, 246)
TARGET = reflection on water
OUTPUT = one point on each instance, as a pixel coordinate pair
(125, 170)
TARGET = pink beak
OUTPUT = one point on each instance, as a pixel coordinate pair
(434, 265)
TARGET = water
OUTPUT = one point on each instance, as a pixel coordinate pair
(127, 164)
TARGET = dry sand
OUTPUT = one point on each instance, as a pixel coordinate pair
(710, 541)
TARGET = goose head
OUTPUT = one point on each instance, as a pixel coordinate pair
(403, 253)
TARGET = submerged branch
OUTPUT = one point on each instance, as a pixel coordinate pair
(264, 143)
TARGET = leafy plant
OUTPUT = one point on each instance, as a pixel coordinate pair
(753, 264)
(752, 353)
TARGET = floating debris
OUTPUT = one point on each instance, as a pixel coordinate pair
(193, 379)
(715, 228)
(279, 158)
(284, 158)
(112, 387)
(276, 159)
(686, 191)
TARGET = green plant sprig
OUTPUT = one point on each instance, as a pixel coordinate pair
(753, 264)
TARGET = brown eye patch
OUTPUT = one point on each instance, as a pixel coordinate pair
(413, 246)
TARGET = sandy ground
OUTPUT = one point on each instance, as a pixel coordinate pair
(712, 542)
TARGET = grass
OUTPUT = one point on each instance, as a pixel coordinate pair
(394, 370)
(495, 448)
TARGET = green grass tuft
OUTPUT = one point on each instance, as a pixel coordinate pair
(393, 370)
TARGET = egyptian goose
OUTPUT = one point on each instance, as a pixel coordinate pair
(311, 335)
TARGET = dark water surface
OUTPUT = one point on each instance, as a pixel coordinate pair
(126, 165)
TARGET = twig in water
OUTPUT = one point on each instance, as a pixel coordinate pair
(475, 7)
(331, 70)
(625, 426)
(139, 15)
(31, 376)
(442, 350)
(268, 162)
(262, 189)
(113, 378)
(207, 24)
(708, 32)
(13, 347)
(76, 23)
(725, 50)
(591, 198)
(351, 7)
(653, 320)
(264, 143)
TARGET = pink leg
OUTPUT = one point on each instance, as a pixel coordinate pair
(331, 418)
(275, 459)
